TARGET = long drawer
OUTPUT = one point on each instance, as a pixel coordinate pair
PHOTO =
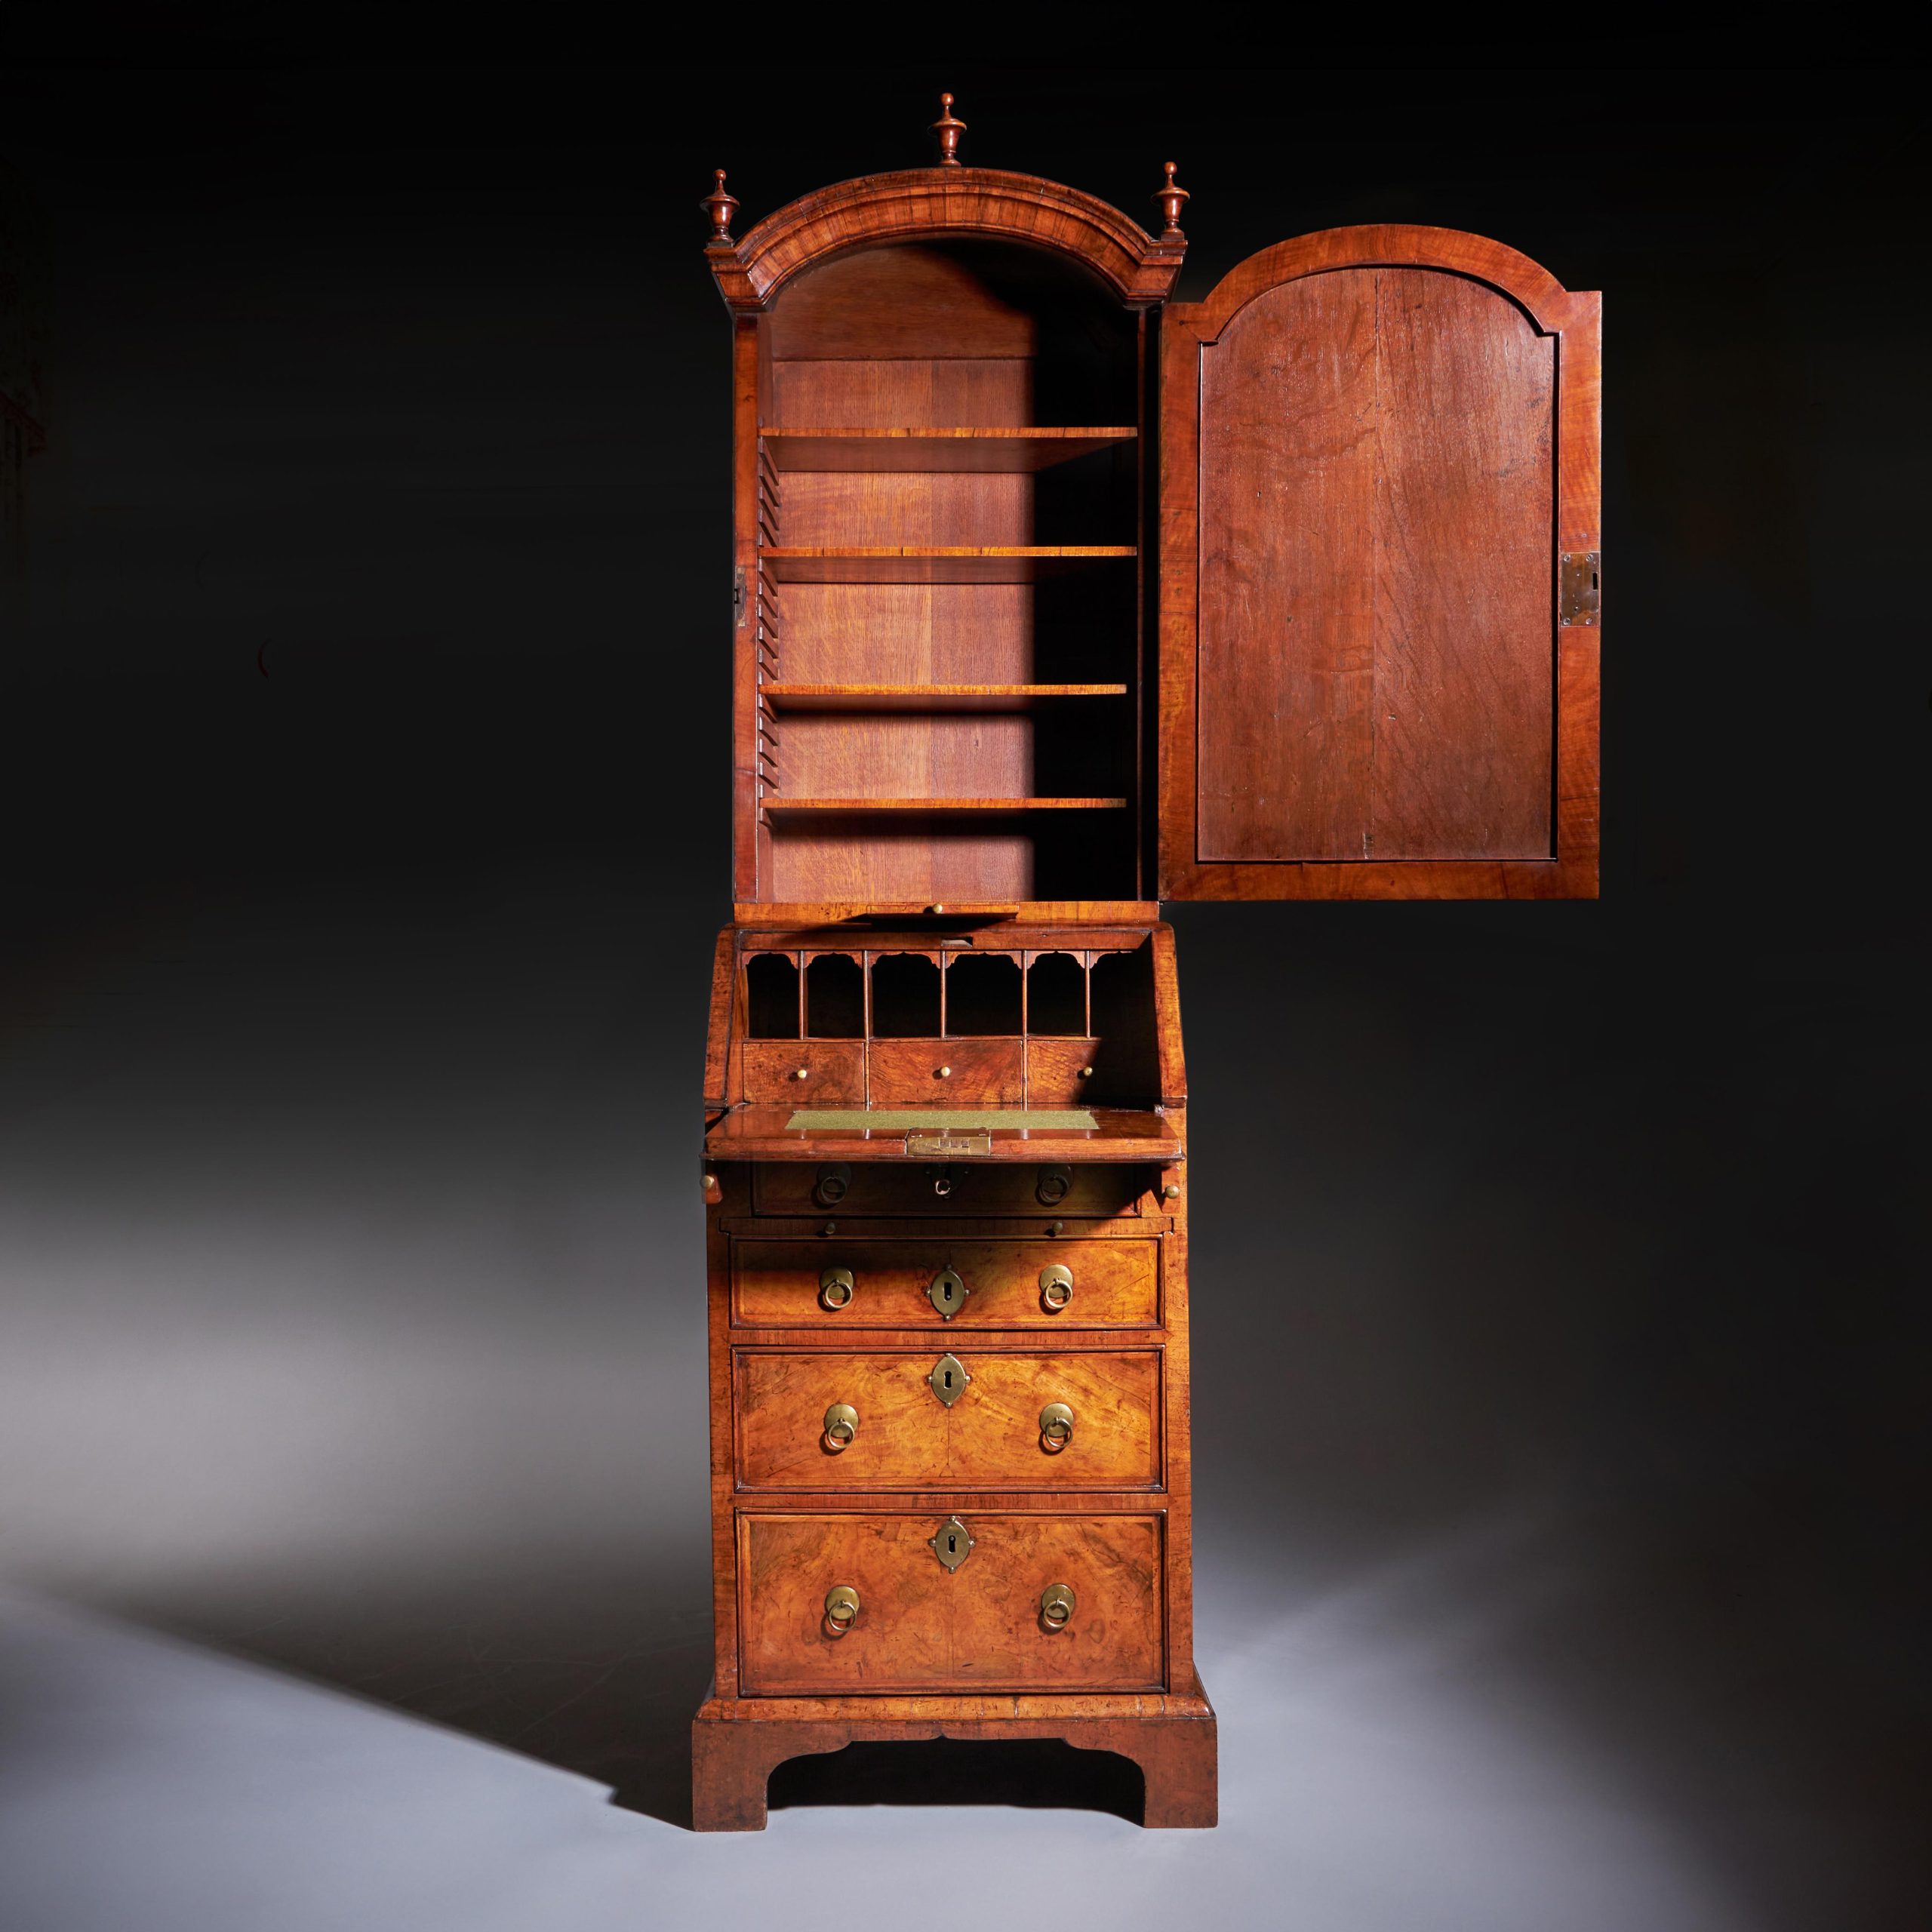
(903, 1435)
(912, 1624)
(854, 1284)
(959, 1187)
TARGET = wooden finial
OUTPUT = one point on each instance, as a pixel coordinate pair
(1169, 198)
(720, 206)
(949, 130)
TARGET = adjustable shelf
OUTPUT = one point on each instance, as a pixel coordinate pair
(791, 807)
(936, 449)
(790, 698)
(1004, 563)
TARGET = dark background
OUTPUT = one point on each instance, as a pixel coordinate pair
(367, 742)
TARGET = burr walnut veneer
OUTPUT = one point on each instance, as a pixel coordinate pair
(1052, 599)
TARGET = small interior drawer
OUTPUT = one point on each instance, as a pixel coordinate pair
(948, 1073)
(921, 1626)
(989, 1436)
(1059, 1073)
(805, 1072)
(1005, 1284)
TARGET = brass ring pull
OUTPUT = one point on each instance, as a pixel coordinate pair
(841, 1425)
(1056, 1287)
(836, 1289)
(1056, 1427)
(1057, 1604)
(842, 1610)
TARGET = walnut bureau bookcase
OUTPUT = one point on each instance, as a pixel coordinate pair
(1053, 599)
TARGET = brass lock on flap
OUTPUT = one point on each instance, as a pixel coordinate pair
(948, 1293)
(1056, 1287)
(842, 1610)
(836, 1289)
(1056, 1427)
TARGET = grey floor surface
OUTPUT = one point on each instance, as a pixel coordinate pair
(1386, 1767)
(353, 1489)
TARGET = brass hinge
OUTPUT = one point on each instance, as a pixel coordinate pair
(738, 598)
(1579, 587)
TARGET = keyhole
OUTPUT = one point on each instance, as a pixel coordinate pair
(948, 1383)
(952, 1546)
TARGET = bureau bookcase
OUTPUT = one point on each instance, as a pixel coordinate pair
(1051, 598)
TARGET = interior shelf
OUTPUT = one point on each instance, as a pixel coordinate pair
(997, 563)
(923, 449)
(928, 697)
(788, 806)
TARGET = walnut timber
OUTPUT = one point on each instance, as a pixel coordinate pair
(1051, 599)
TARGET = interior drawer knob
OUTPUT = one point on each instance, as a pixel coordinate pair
(836, 1289)
(1056, 1427)
(1056, 1287)
(1057, 1603)
(842, 1610)
(841, 1426)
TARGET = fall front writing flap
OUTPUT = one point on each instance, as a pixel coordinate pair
(1378, 566)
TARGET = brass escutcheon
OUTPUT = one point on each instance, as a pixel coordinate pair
(842, 1610)
(836, 1288)
(841, 1426)
(1056, 1427)
(1056, 1287)
(1057, 1603)
(951, 1543)
(948, 1293)
(949, 1378)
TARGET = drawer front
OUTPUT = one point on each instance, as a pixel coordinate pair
(879, 1187)
(1059, 1073)
(904, 1436)
(920, 1626)
(834, 1072)
(948, 1073)
(1113, 1284)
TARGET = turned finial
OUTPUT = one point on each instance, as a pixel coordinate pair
(1169, 197)
(949, 130)
(720, 206)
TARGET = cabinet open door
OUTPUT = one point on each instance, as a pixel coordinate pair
(1379, 567)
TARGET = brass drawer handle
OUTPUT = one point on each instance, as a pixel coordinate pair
(1057, 1603)
(1056, 1427)
(836, 1289)
(1056, 1287)
(841, 1425)
(842, 1610)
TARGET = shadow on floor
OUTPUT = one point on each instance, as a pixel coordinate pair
(1029, 1773)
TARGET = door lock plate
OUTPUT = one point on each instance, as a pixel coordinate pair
(1579, 590)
